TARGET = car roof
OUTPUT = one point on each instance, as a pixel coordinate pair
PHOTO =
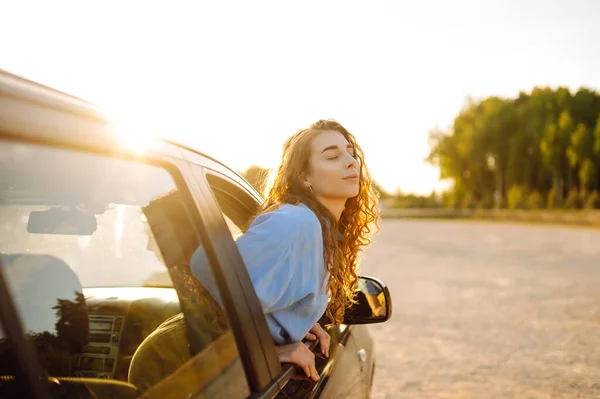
(18, 87)
(29, 110)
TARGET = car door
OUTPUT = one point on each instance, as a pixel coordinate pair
(356, 361)
(344, 379)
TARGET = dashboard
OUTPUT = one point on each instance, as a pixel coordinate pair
(119, 320)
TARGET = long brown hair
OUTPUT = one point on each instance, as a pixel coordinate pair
(358, 222)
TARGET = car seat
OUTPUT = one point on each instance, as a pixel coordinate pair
(160, 354)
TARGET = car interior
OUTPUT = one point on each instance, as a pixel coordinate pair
(77, 346)
(96, 341)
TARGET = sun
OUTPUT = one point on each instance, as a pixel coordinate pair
(134, 132)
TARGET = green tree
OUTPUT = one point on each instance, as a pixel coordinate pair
(546, 141)
(572, 201)
(551, 155)
(516, 197)
(593, 200)
(588, 174)
(535, 200)
(597, 137)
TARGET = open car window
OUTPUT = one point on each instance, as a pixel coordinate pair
(96, 251)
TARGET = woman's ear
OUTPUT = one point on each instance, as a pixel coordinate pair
(304, 179)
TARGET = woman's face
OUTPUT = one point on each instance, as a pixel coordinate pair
(334, 172)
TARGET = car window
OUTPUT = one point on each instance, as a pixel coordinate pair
(96, 251)
(237, 206)
(236, 231)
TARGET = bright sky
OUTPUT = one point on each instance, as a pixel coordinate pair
(235, 79)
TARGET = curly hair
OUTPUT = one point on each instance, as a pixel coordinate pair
(356, 225)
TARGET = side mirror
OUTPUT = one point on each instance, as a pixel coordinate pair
(374, 303)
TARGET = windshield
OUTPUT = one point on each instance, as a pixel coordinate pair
(84, 210)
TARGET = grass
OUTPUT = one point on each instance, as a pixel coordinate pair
(575, 218)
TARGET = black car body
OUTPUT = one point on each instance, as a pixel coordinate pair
(96, 296)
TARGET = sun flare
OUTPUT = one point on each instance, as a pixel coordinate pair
(136, 134)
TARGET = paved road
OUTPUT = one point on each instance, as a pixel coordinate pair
(487, 310)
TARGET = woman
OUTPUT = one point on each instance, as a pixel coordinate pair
(301, 250)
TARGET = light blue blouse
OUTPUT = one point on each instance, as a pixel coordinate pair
(283, 252)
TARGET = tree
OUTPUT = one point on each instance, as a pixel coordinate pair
(588, 174)
(257, 177)
(597, 137)
(72, 322)
(545, 142)
(551, 154)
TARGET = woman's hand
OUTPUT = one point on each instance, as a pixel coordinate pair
(298, 353)
(317, 332)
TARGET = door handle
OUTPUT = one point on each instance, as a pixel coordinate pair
(362, 358)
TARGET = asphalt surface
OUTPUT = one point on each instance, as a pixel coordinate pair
(487, 310)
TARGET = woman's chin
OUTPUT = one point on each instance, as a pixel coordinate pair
(345, 193)
(353, 193)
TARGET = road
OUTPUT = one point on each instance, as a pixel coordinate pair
(487, 310)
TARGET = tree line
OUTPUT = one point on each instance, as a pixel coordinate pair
(538, 150)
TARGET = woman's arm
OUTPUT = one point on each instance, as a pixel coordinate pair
(283, 253)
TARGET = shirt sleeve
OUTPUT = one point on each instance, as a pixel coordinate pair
(283, 253)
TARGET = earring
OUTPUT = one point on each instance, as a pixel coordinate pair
(311, 189)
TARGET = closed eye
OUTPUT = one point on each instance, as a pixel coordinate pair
(351, 153)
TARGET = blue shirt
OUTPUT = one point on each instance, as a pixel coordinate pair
(283, 252)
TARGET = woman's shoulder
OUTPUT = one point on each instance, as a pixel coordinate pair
(300, 212)
(290, 218)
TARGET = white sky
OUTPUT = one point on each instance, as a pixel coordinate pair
(235, 79)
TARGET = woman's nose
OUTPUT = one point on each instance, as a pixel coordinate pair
(352, 162)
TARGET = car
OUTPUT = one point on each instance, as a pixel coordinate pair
(96, 291)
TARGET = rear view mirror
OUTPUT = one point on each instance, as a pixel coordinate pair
(374, 303)
(62, 221)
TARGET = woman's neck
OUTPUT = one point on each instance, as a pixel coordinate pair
(335, 206)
